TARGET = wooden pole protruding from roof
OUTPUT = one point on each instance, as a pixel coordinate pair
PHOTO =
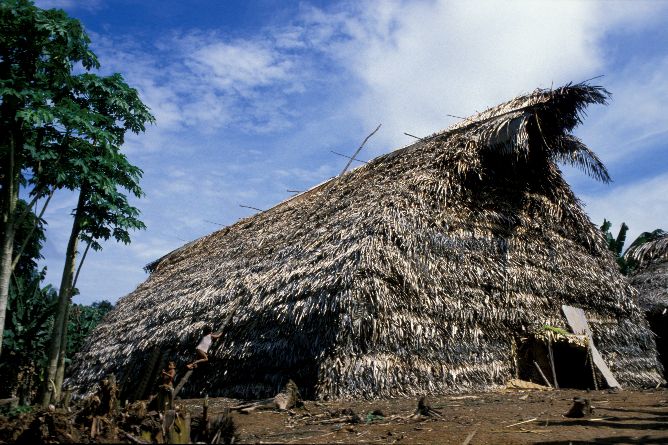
(413, 136)
(359, 149)
(251, 207)
(349, 157)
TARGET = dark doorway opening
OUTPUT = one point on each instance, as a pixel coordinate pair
(571, 363)
(658, 323)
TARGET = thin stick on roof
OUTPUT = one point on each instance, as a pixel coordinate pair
(294, 191)
(459, 117)
(250, 207)
(213, 222)
(346, 156)
(413, 136)
(359, 149)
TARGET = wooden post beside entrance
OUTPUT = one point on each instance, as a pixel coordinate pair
(578, 322)
(554, 372)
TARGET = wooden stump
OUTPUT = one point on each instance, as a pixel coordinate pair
(581, 408)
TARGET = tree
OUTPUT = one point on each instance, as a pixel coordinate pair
(38, 51)
(30, 310)
(627, 259)
(30, 314)
(83, 319)
(102, 110)
(616, 244)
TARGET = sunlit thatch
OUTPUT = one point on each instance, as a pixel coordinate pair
(651, 275)
(414, 273)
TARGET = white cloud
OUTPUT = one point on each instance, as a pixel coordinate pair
(636, 113)
(643, 206)
(241, 66)
(418, 62)
(206, 82)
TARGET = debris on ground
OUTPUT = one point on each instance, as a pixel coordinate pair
(581, 408)
(423, 410)
(285, 400)
(523, 384)
(492, 417)
(99, 419)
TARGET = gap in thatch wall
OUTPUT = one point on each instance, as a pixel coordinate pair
(658, 323)
(571, 363)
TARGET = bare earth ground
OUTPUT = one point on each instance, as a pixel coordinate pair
(481, 418)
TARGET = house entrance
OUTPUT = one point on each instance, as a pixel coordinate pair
(658, 323)
(571, 362)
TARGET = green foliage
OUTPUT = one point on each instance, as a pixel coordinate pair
(67, 128)
(31, 230)
(12, 412)
(627, 265)
(30, 314)
(82, 321)
(616, 244)
(556, 330)
(38, 51)
(373, 416)
(29, 306)
(59, 130)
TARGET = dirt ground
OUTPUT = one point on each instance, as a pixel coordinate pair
(501, 417)
(506, 417)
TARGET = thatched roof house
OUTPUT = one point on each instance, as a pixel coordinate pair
(651, 274)
(424, 270)
(651, 280)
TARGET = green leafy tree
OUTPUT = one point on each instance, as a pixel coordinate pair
(60, 130)
(30, 310)
(627, 263)
(30, 314)
(83, 319)
(38, 50)
(103, 110)
(616, 244)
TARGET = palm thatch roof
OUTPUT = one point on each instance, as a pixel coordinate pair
(651, 275)
(416, 272)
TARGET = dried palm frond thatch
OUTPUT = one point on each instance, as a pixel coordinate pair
(651, 275)
(417, 272)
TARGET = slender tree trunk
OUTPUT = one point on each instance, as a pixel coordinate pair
(64, 299)
(10, 189)
(60, 371)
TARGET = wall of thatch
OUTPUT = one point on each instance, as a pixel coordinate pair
(651, 275)
(651, 281)
(415, 273)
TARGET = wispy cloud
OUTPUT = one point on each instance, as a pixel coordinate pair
(205, 81)
(418, 62)
(636, 114)
(642, 206)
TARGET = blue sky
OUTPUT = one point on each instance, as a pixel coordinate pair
(251, 97)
